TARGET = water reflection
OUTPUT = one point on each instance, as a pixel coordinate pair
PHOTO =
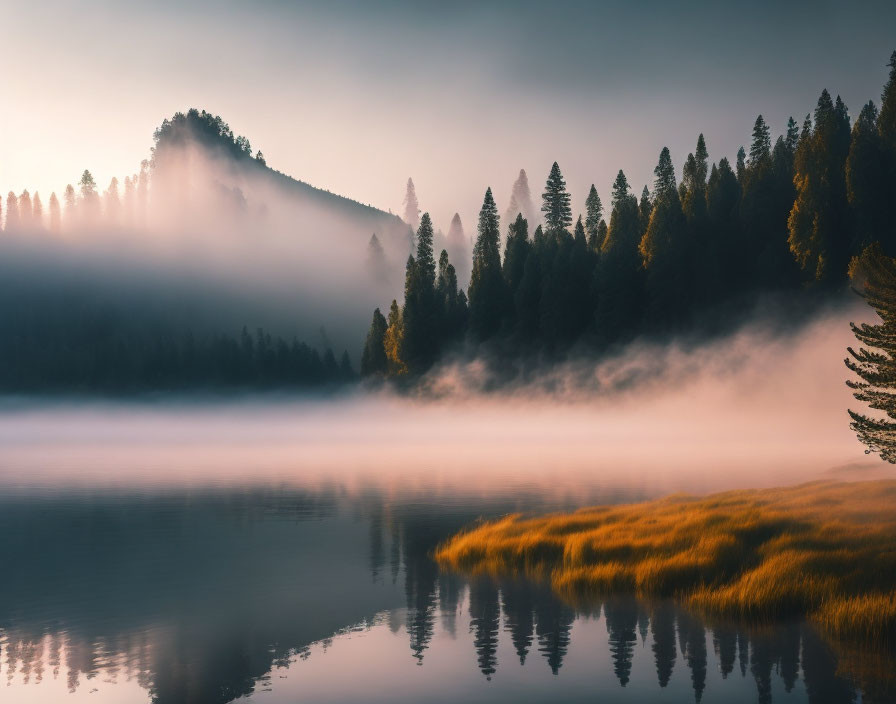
(210, 596)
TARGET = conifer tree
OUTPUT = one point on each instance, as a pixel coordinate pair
(520, 200)
(393, 342)
(875, 363)
(760, 149)
(411, 206)
(645, 208)
(89, 196)
(486, 282)
(376, 260)
(37, 211)
(70, 205)
(741, 163)
(12, 212)
(55, 215)
(725, 246)
(793, 136)
(458, 247)
(867, 184)
(818, 227)
(594, 211)
(373, 360)
(618, 280)
(420, 314)
(516, 252)
(664, 247)
(556, 202)
(25, 210)
(112, 202)
(887, 120)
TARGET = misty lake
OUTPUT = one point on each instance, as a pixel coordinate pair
(281, 552)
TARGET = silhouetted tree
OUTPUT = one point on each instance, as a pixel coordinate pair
(373, 360)
(867, 183)
(37, 211)
(12, 212)
(376, 259)
(485, 613)
(520, 200)
(487, 293)
(594, 211)
(818, 224)
(556, 203)
(55, 215)
(411, 206)
(112, 202)
(25, 210)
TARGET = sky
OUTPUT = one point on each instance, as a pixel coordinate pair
(355, 97)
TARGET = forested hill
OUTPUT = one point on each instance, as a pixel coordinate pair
(215, 135)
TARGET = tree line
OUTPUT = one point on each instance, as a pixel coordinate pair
(786, 216)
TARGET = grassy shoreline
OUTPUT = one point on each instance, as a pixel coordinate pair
(824, 551)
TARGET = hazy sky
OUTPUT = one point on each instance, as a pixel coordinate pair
(357, 96)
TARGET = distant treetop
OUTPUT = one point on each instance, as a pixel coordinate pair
(204, 128)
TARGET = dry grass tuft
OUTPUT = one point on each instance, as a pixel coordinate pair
(823, 550)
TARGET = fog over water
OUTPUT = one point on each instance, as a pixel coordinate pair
(752, 409)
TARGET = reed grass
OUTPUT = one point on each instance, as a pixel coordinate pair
(825, 551)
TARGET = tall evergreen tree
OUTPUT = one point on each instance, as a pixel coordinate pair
(818, 225)
(37, 211)
(420, 314)
(520, 200)
(867, 184)
(393, 341)
(741, 163)
(665, 249)
(373, 360)
(25, 210)
(12, 212)
(556, 202)
(619, 277)
(376, 260)
(411, 206)
(760, 149)
(487, 292)
(71, 205)
(594, 211)
(55, 215)
(459, 249)
(645, 208)
(887, 119)
(112, 202)
(516, 251)
(90, 200)
(792, 137)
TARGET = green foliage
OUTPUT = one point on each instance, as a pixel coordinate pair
(594, 211)
(867, 184)
(556, 202)
(875, 363)
(421, 310)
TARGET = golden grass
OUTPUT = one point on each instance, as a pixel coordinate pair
(823, 550)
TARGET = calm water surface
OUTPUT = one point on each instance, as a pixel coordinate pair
(160, 582)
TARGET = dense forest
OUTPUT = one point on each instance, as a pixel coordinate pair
(786, 219)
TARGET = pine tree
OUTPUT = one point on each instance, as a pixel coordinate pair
(420, 314)
(665, 249)
(618, 283)
(71, 205)
(645, 208)
(741, 163)
(37, 211)
(411, 206)
(886, 122)
(376, 260)
(55, 215)
(760, 149)
(89, 196)
(875, 364)
(516, 251)
(452, 313)
(594, 211)
(25, 210)
(12, 212)
(556, 203)
(793, 136)
(520, 200)
(867, 184)
(373, 360)
(112, 202)
(486, 282)
(818, 224)
(393, 341)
